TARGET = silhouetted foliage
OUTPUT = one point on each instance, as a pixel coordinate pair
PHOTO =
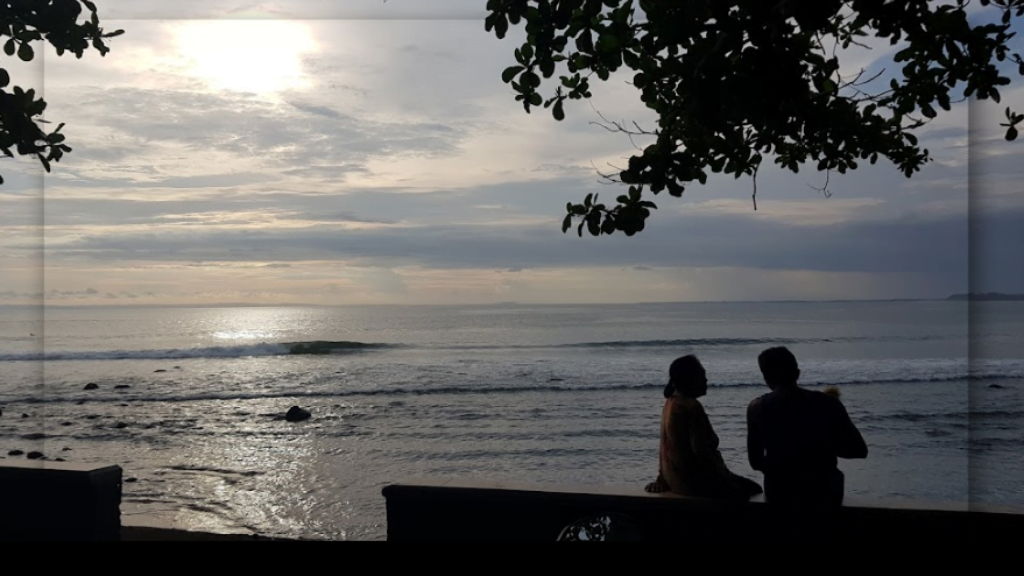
(23, 22)
(734, 80)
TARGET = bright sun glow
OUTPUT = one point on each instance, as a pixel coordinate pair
(255, 56)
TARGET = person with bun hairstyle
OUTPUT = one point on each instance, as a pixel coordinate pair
(690, 462)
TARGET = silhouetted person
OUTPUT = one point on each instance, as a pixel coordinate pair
(690, 463)
(796, 436)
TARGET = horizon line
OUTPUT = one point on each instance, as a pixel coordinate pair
(486, 304)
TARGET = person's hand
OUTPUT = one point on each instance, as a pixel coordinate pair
(654, 487)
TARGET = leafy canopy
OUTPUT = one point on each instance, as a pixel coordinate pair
(732, 81)
(23, 22)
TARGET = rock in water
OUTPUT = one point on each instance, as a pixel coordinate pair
(91, 386)
(122, 387)
(995, 386)
(35, 456)
(15, 453)
(159, 371)
(296, 414)
(120, 425)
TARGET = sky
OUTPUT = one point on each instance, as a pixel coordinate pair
(363, 152)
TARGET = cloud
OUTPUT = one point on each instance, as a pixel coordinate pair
(935, 245)
(12, 295)
(408, 173)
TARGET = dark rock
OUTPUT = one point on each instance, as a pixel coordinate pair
(15, 453)
(296, 414)
(123, 405)
(91, 386)
(995, 386)
(35, 456)
(80, 402)
(122, 387)
(66, 449)
(25, 416)
(59, 460)
(159, 371)
(556, 380)
(66, 424)
(120, 425)
(1, 411)
(131, 480)
(35, 436)
(92, 416)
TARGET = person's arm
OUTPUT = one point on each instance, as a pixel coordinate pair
(755, 445)
(850, 442)
(659, 485)
(703, 439)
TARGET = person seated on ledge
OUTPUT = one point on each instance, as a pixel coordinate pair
(795, 436)
(690, 462)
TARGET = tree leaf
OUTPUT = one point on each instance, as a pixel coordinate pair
(25, 52)
(510, 73)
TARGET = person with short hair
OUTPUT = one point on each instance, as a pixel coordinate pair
(795, 436)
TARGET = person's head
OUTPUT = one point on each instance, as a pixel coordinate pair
(779, 367)
(686, 375)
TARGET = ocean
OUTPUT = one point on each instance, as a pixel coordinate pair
(190, 401)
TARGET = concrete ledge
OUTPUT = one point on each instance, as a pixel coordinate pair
(57, 501)
(154, 534)
(467, 510)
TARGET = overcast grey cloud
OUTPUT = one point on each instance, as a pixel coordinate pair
(371, 153)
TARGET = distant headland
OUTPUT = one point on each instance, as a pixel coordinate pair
(988, 296)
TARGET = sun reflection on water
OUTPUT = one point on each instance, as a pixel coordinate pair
(244, 335)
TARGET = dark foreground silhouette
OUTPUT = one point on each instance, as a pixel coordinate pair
(690, 462)
(796, 436)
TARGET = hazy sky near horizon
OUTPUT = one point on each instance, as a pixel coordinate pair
(324, 152)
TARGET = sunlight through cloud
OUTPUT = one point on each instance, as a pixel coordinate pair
(252, 56)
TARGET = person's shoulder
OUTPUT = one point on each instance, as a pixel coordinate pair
(827, 400)
(757, 402)
(687, 402)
